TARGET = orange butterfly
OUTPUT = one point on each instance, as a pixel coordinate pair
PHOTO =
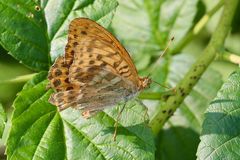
(95, 72)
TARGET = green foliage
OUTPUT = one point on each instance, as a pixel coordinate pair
(23, 33)
(38, 130)
(35, 33)
(220, 136)
(180, 137)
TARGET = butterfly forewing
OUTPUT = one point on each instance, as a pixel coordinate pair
(95, 46)
(96, 71)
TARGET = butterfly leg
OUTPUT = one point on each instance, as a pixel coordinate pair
(88, 113)
(168, 93)
(116, 123)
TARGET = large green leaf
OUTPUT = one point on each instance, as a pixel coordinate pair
(220, 137)
(39, 131)
(31, 31)
(23, 32)
(180, 137)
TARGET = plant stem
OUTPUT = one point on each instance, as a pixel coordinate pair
(196, 29)
(155, 95)
(20, 79)
(230, 57)
(150, 95)
(184, 87)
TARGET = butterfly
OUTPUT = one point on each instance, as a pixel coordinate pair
(96, 71)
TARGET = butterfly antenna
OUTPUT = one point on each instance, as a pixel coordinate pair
(161, 85)
(165, 50)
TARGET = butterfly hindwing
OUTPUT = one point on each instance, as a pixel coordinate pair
(59, 76)
(101, 91)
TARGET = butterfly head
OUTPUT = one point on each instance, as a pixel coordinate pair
(144, 82)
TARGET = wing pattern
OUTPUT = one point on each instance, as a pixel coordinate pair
(95, 72)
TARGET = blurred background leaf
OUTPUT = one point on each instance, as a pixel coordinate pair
(149, 25)
(9, 69)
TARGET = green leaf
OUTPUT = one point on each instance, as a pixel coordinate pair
(3, 119)
(59, 18)
(177, 142)
(134, 139)
(39, 132)
(220, 135)
(23, 32)
(30, 105)
(180, 137)
(38, 78)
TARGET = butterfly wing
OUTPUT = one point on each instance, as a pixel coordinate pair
(90, 98)
(92, 45)
(98, 68)
(59, 76)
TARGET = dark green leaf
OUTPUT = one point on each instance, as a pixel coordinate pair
(200, 11)
(177, 143)
(30, 107)
(23, 32)
(220, 135)
(236, 19)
